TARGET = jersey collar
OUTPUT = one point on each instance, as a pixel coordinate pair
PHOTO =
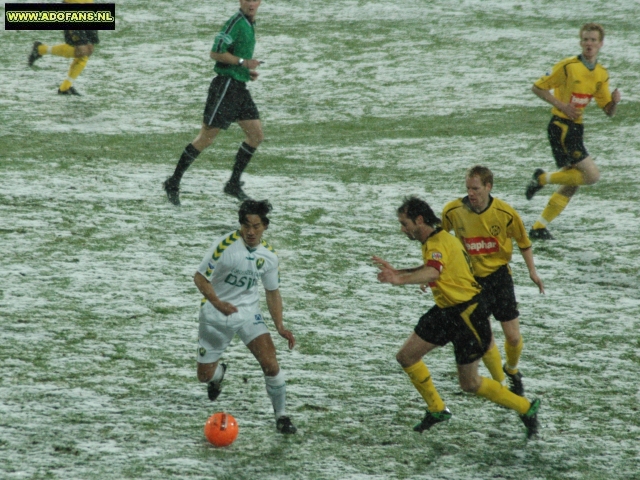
(465, 202)
(590, 66)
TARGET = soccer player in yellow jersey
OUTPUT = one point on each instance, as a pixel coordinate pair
(487, 227)
(79, 45)
(460, 316)
(574, 81)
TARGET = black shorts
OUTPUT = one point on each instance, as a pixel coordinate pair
(76, 38)
(466, 326)
(565, 138)
(500, 294)
(228, 101)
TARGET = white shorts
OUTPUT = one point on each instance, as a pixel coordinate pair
(216, 330)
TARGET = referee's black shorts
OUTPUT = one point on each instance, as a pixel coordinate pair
(228, 101)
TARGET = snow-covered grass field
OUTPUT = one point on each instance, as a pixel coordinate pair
(362, 103)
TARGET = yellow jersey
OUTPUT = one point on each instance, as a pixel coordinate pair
(486, 236)
(572, 82)
(456, 283)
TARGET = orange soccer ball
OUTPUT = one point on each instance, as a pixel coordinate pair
(221, 429)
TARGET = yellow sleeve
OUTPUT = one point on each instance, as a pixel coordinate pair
(446, 223)
(555, 79)
(603, 95)
(518, 232)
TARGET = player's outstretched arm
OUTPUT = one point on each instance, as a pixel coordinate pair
(209, 293)
(274, 304)
(418, 275)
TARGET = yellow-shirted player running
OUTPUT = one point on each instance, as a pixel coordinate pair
(79, 45)
(487, 227)
(460, 316)
(574, 81)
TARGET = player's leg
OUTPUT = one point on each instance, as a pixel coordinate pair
(576, 168)
(488, 388)
(410, 359)
(213, 339)
(584, 172)
(40, 49)
(556, 205)
(473, 332)
(264, 351)
(212, 374)
(205, 138)
(420, 377)
(513, 342)
(216, 117)
(248, 117)
(83, 44)
(513, 345)
(493, 361)
(472, 382)
(505, 310)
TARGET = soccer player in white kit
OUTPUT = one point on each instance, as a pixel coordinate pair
(228, 279)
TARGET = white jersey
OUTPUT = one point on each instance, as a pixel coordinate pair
(233, 269)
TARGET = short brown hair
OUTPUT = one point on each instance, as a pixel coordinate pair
(593, 27)
(483, 173)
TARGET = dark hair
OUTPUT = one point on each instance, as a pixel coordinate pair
(254, 207)
(414, 207)
(483, 173)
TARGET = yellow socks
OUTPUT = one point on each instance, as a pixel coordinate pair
(513, 356)
(557, 203)
(75, 70)
(62, 50)
(77, 66)
(571, 177)
(493, 362)
(497, 393)
(421, 379)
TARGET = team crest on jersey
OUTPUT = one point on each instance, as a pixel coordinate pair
(202, 351)
(436, 256)
(260, 263)
(495, 230)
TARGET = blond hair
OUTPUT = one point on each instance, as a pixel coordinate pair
(483, 173)
(593, 27)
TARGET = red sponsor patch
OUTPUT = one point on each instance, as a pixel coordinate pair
(580, 100)
(481, 245)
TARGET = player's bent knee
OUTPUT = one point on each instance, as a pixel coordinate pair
(271, 369)
(470, 386)
(404, 360)
(592, 178)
